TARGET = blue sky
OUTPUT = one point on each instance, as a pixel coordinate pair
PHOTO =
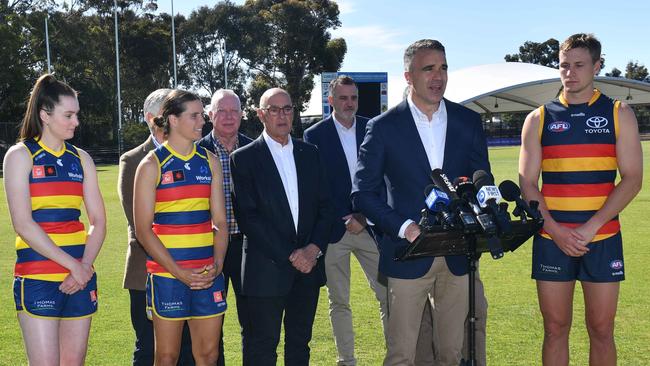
(475, 32)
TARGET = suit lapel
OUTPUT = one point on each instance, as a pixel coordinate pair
(271, 176)
(361, 133)
(412, 137)
(301, 166)
(339, 159)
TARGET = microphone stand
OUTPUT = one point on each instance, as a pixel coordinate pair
(472, 260)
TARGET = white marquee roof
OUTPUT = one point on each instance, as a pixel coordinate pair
(518, 87)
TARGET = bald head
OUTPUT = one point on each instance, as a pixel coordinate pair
(264, 100)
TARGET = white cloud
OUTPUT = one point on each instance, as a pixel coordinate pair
(371, 36)
(346, 7)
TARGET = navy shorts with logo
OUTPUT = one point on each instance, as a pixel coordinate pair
(171, 299)
(43, 299)
(603, 262)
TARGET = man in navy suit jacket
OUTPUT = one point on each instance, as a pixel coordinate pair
(225, 114)
(338, 138)
(282, 205)
(402, 146)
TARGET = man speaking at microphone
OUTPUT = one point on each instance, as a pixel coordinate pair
(403, 146)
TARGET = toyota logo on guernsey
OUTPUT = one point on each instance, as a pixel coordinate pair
(597, 124)
(559, 126)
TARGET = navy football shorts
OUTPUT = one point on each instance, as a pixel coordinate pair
(43, 299)
(171, 299)
(603, 262)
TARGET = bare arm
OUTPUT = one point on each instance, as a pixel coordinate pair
(629, 158)
(218, 213)
(94, 204)
(144, 201)
(16, 168)
(530, 163)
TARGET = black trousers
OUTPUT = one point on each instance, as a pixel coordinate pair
(232, 272)
(265, 318)
(143, 354)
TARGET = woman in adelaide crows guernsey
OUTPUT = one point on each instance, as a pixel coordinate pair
(46, 179)
(180, 219)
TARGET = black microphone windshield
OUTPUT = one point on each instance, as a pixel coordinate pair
(482, 178)
(509, 190)
(428, 189)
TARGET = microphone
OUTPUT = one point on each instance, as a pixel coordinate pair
(512, 193)
(488, 196)
(467, 191)
(443, 183)
(467, 220)
(438, 202)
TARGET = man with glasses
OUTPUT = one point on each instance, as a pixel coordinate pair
(282, 204)
(225, 114)
(338, 138)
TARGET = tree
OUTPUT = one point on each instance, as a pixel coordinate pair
(287, 43)
(545, 53)
(616, 73)
(202, 39)
(635, 70)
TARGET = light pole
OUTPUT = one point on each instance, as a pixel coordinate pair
(117, 75)
(174, 44)
(47, 45)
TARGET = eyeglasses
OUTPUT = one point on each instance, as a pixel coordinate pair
(275, 110)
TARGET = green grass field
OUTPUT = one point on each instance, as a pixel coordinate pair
(514, 323)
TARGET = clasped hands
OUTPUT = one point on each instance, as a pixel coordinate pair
(304, 259)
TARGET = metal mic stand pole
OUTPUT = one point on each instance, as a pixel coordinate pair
(471, 324)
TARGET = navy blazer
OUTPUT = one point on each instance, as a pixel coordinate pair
(264, 216)
(207, 142)
(392, 150)
(324, 135)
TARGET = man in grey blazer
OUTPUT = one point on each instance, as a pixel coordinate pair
(135, 272)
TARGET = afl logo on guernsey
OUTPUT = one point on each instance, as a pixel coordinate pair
(597, 124)
(559, 126)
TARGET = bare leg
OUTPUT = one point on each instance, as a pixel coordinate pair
(556, 305)
(73, 341)
(167, 340)
(206, 334)
(41, 337)
(601, 300)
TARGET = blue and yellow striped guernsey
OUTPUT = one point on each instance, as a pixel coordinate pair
(56, 190)
(182, 219)
(579, 160)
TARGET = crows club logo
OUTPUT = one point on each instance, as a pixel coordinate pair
(42, 171)
(172, 177)
(218, 297)
(559, 126)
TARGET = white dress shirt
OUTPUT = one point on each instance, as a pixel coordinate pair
(286, 165)
(433, 133)
(348, 138)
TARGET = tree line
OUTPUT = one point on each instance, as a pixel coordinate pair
(260, 44)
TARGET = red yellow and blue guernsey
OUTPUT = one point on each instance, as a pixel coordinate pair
(183, 223)
(182, 218)
(56, 190)
(579, 160)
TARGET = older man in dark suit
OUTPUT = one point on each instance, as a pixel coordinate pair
(338, 138)
(225, 114)
(402, 146)
(282, 205)
(135, 273)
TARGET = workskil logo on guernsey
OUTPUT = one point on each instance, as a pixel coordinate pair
(597, 124)
(559, 126)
